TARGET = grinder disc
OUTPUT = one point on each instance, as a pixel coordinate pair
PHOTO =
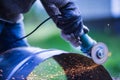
(99, 53)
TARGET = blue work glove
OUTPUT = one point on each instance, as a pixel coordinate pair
(65, 14)
(67, 17)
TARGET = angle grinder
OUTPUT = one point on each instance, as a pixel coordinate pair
(98, 51)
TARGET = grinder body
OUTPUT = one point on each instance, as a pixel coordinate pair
(87, 43)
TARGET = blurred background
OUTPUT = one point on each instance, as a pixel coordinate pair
(102, 18)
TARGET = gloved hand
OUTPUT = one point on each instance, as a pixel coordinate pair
(67, 17)
(65, 14)
(74, 38)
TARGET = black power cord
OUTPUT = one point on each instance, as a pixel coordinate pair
(32, 31)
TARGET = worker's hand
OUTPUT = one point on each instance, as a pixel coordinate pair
(71, 39)
(67, 17)
(74, 38)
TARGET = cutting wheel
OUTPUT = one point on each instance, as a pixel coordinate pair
(99, 53)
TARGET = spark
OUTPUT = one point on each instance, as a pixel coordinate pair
(80, 69)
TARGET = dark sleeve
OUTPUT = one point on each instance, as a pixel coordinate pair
(65, 14)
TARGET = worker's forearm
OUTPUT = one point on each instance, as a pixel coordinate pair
(70, 18)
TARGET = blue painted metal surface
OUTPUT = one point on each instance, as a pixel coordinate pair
(18, 63)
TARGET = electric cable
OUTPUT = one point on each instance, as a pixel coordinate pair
(33, 30)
